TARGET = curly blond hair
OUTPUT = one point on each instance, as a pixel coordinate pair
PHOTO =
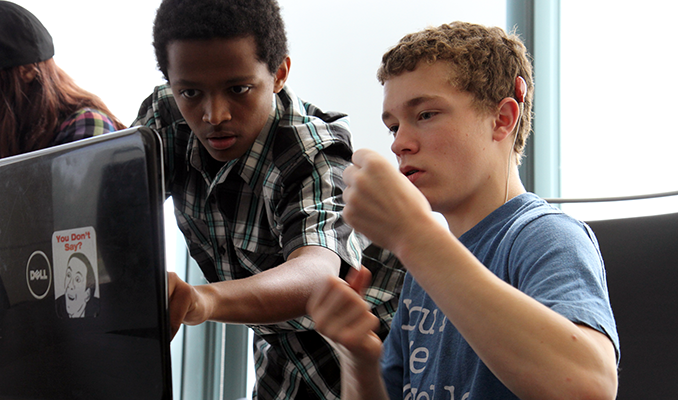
(485, 62)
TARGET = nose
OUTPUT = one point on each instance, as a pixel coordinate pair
(217, 110)
(404, 142)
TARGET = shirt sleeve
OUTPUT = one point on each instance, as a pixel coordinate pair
(309, 202)
(83, 124)
(559, 264)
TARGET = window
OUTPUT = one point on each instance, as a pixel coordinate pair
(618, 99)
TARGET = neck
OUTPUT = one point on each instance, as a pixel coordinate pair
(471, 211)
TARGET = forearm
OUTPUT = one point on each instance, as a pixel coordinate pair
(273, 296)
(361, 380)
(343, 317)
(533, 350)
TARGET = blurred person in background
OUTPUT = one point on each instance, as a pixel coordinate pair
(41, 106)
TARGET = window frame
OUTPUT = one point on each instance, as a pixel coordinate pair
(538, 24)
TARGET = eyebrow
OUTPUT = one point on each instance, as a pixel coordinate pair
(233, 81)
(411, 103)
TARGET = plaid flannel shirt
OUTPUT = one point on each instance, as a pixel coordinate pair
(82, 124)
(283, 193)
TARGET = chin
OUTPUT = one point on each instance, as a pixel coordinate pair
(223, 157)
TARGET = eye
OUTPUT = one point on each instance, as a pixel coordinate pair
(427, 115)
(241, 89)
(393, 129)
(188, 93)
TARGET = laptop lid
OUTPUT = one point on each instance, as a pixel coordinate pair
(83, 284)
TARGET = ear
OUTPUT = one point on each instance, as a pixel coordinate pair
(28, 72)
(506, 119)
(281, 74)
(88, 294)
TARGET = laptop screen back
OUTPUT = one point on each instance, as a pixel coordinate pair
(83, 298)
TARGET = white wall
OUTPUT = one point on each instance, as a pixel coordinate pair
(336, 47)
(105, 46)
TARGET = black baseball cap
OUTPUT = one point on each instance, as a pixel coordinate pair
(23, 38)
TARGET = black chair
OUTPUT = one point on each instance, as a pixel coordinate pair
(641, 260)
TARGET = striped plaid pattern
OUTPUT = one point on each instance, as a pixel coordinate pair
(302, 365)
(82, 124)
(284, 193)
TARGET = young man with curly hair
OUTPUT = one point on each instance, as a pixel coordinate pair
(255, 176)
(509, 302)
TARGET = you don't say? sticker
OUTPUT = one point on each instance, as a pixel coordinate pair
(76, 281)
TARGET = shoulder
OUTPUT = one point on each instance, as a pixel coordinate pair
(543, 242)
(533, 226)
(90, 117)
(527, 234)
(527, 215)
(84, 123)
(159, 109)
(512, 220)
(92, 307)
(61, 306)
(549, 225)
(305, 129)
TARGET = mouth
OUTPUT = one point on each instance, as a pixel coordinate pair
(221, 142)
(408, 171)
(411, 173)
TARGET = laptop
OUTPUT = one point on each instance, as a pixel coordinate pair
(83, 284)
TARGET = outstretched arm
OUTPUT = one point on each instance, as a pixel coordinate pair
(343, 317)
(536, 352)
(275, 295)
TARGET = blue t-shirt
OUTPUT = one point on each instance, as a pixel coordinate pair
(529, 244)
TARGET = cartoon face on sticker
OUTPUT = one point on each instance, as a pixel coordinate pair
(76, 287)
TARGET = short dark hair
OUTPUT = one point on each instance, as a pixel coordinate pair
(225, 19)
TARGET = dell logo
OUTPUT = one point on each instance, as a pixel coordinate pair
(38, 275)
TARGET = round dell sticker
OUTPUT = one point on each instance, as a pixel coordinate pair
(38, 274)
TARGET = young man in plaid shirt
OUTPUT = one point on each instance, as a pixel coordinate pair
(255, 175)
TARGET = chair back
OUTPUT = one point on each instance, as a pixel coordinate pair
(641, 260)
